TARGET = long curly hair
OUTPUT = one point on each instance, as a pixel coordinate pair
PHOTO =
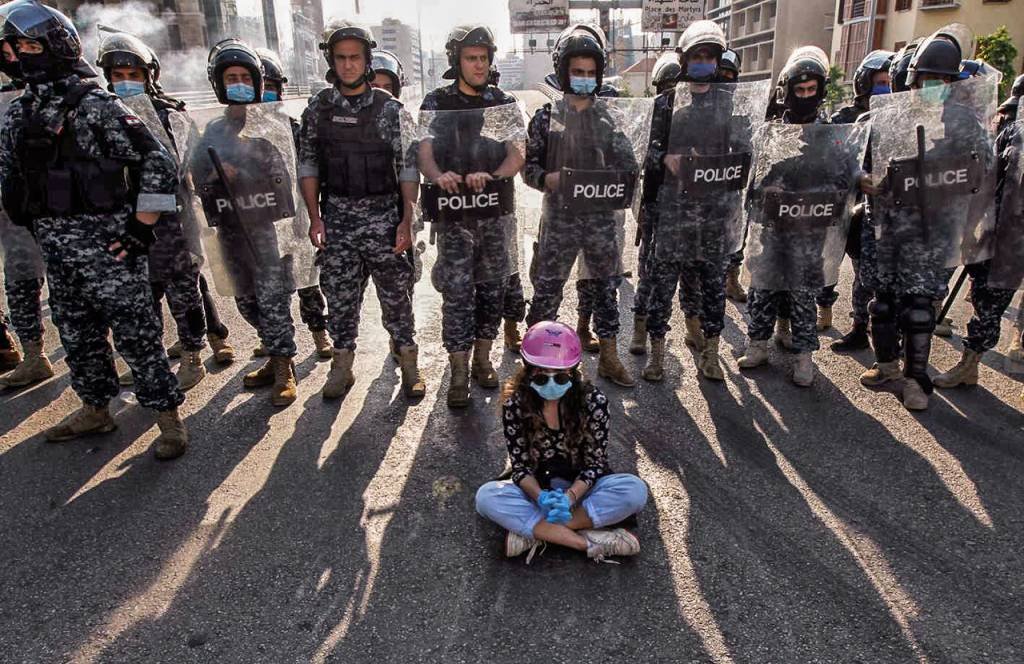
(572, 410)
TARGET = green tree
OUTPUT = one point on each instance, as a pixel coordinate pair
(836, 93)
(997, 49)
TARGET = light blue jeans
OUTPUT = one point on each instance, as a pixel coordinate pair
(610, 500)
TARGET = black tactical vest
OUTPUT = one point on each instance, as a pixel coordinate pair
(354, 160)
(62, 180)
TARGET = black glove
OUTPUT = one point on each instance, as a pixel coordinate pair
(136, 239)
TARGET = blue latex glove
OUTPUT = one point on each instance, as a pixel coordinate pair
(555, 506)
(547, 500)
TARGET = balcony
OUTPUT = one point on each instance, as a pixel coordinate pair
(928, 5)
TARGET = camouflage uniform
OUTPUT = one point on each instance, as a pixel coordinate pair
(701, 281)
(24, 297)
(360, 230)
(173, 264)
(471, 308)
(90, 291)
(513, 305)
(592, 234)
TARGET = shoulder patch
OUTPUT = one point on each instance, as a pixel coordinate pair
(131, 121)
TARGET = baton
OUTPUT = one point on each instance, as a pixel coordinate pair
(920, 183)
(948, 304)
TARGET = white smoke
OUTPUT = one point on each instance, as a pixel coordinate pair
(180, 70)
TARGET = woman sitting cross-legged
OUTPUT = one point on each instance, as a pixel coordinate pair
(556, 426)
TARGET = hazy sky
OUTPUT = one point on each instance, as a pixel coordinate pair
(439, 16)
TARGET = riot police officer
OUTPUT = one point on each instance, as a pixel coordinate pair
(675, 132)
(129, 67)
(579, 59)
(249, 247)
(312, 306)
(474, 257)
(800, 92)
(664, 76)
(870, 79)
(354, 180)
(24, 275)
(94, 221)
(906, 248)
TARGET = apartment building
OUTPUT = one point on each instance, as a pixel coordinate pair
(404, 41)
(864, 25)
(765, 32)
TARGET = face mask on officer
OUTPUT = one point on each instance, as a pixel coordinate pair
(701, 65)
(582, 75)
(271, 95)
(125, 89)
(934, 90)
(803, 98)
(701, 70)
(880, 89)
(37, 63)
(238, 85)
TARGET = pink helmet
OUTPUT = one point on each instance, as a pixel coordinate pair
(551, 345)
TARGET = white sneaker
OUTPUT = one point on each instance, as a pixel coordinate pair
(516, 544)
(603, 542)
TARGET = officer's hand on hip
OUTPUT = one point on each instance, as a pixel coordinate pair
(449, 181)
(138, 236)
(317, 232)
(477, 181)
(672, 162)
(403, 237)
(551, 181)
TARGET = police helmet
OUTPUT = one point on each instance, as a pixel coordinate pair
(873, 62)
(233, 53)
(938, 54)
(120, 49)
(386, 62)
(805, 63)
(273, 70)
(900, 66)
(580, 42)
(462, 36)
(700, 33)
(666, 71)
(731, 61)
(62, 46)
(339, 29)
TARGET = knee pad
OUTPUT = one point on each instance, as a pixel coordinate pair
(882, 309)
(919, 315)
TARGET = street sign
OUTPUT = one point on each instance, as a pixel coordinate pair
(538, 15)
(670, 15)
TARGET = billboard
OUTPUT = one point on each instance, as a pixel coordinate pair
(670, 15)
(539, 15)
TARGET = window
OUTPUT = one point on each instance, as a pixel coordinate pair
(904, 5)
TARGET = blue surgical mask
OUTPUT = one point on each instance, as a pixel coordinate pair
(551, 391)
(129, 88)
(582, 86)
(934, 91)
(271, 95)
(880, 89)
(241, 92)
(701, 70)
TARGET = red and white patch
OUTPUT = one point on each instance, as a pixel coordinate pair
(131, 121)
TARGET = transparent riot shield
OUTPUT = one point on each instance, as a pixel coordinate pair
(472, 214)
(708, 154)
(934, 154)
(595, 150)
(21, 257)
(802, 191)
(142, 107)
(1007, 267)
(242, 170)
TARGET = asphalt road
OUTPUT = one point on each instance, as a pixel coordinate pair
(786, 525)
